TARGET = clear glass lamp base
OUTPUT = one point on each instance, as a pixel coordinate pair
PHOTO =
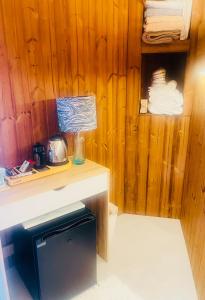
(79, 150)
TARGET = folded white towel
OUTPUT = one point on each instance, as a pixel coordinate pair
(162, 26)
(174, 4)
(163, 12)
(161, 37)
(165, 19)
(184, 5)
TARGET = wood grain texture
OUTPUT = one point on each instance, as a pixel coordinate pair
(193, 204)
(156, 146)
(159, 166)
(80, 47)
(177, 46)
(63, 48)
(133, 92)
(99, 207)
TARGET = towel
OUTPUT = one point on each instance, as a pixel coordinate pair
(187, 10)
(170, 4)
(184, 5)
(165, 19)
(149, 12)
(155, 27)
(163, 110)
(164, 98)
(161, 37)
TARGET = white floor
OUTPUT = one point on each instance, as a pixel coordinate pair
(148, 261)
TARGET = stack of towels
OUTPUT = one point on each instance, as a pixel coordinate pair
(166, 20)
(164, 98)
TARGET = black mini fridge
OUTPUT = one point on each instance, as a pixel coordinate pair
(57, 259)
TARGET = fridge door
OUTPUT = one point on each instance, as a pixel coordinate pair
(67, 259)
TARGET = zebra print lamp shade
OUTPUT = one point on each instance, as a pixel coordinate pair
(76, 114)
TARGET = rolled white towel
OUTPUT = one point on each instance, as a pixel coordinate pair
(164, 110)
(166, 102)
(165, 95)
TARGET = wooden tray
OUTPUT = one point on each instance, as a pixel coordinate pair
(38, 174)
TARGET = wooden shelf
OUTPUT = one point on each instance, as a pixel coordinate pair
(160, 115)
(176, 47)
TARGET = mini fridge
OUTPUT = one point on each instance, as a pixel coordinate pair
(57, 259)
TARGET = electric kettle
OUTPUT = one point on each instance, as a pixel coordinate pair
(57, 151)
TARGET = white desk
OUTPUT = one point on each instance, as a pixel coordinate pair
(88, 182)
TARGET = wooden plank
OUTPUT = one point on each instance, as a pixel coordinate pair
(135, 12)
(155, 166)
(177, 46)
(7, 108)
(193, 217)
(53, 22)
(99, 206)
(143, 144)
(180, 143)
(167, 166)
(45, 48)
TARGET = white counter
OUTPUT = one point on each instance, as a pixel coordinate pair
(33, 199)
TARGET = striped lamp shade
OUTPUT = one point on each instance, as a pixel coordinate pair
(76, 113)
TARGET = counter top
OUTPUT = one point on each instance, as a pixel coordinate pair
(32, 199)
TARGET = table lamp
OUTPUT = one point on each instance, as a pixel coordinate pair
(77, 114)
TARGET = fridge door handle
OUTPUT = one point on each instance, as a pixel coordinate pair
(69, 227)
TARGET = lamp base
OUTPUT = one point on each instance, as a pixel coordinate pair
(78, 161)
(79, 150)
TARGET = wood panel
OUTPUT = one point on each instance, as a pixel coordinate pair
(133, 92)
(156, 146)
(193, 204)
(177, 46)
(79, 47)
(161, 144)
(63, 48)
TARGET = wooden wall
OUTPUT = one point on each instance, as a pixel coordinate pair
(193, 212)
(155, 172)
(58, 48)
(156, 146)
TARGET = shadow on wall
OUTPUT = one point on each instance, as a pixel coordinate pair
(19, 133)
